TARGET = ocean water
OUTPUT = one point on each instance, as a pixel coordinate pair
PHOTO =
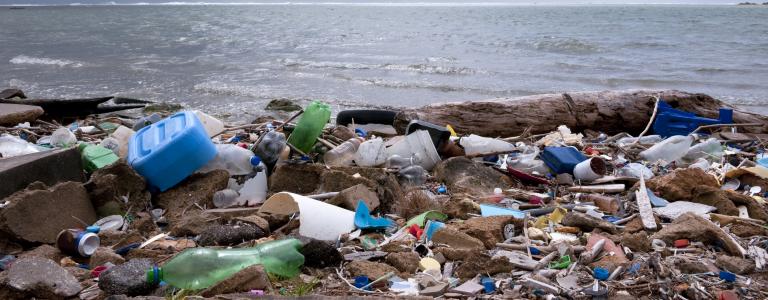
(232, 59)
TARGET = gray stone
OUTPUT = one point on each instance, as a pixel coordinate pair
(129, 278)
(44, 251)
(12, 93)
(49, 167)
(735, 264)
(348, 198)
(104, 255)
(43, 278)
(12, 114)
(39, 215)
(228, 235)
(463, 175)
(110, 184)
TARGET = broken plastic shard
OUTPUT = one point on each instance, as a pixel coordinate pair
(428, 215)
(364, 220)
(492, 210)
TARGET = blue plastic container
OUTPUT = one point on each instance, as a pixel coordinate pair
(670, 121)
(562, 159)
(168, 151)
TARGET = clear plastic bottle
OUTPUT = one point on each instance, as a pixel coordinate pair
(669, 150)
(236, 160)
(199, 268)
(413, 175)
(343, 154)
(254, 190)
(146, 121)
(225, 198)
(398, 162)
(710, 150)
(270, 147)
(644, 140)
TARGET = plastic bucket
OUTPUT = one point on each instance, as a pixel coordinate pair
(419, 142)
(371, 153)
(589, 169)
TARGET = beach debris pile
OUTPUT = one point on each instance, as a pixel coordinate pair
(178, 204)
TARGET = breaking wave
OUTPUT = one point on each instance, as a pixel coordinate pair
(417, 68)
(29, 60)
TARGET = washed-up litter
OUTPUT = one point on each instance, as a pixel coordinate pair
(183, 203)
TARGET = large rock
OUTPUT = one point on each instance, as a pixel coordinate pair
(39, 215)
(282, 104)
(695, 228)
(48, 167)
(462, 175)
(714, 196)
(406, 262)
(110, 184)
(348, 198)
(12, 114)
(679, 184)
(105, 255)
(250, 278)
(372, 270)
(490, 230)
(316, 178)
(127, 279)
(12, 93)
(42, 278)
(196, 189)
(456, 239)
(44, 251)
(482, 264)
(735, 264)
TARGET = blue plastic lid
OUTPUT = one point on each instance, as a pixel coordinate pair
(255, 160)
(93, 229)
(601, 273)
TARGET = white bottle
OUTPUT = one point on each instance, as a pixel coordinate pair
(254, 190)
(122, 134)
(236, 160)
(669, 150)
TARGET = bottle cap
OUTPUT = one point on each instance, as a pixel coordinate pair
(255, 160)
(153, 275)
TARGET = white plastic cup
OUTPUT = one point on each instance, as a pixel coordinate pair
(590, 169)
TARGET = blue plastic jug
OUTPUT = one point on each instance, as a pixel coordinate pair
(167, 152)
(562, 159)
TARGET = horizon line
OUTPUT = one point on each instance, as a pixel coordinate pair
(437, 4)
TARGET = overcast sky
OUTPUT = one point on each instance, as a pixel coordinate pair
(549, 2)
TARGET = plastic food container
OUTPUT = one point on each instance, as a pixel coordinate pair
(168, 151)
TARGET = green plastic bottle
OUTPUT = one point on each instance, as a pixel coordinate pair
(199, 268)
(310, 126)
(96, 157)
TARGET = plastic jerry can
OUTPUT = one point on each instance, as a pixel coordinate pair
(562, 159)
(168, 151)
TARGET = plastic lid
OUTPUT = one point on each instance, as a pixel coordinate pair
(255, 160)
(153, 275)
(87, 244)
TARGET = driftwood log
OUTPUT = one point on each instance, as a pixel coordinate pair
(608, 111)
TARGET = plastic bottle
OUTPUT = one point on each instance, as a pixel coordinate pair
(225, 198)
(398, 162)
(199, 268)
(343, 154)
(310, 125)
(669, 150)
(710, 150)
(413, 175)
(644, 140)
(475, 144)
(254, 190)
(270, 147)
(62, 137)
(234, 159)
(122, 134)
(111, 144)
(96, 157)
